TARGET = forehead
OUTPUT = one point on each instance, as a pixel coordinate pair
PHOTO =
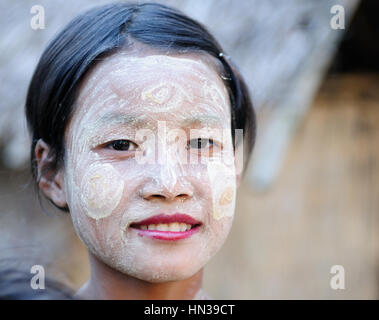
(158, 84)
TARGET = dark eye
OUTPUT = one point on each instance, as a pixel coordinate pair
(200, 143)
(122, 145)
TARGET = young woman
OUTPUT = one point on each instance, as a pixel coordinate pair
(140, 128)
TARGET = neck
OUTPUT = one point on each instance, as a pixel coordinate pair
(106, 283)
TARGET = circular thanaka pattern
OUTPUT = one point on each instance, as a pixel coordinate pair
(101, 190)
(223, 194)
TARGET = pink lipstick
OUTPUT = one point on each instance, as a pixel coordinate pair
(167, 227)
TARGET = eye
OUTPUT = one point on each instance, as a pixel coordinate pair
(122, 145)
(200, 143)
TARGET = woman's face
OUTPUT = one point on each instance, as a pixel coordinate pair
(149, 172)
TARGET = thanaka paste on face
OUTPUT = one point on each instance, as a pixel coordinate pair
(223, 182)
(152, 88)
(102, 190)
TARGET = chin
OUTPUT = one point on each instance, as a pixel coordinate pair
(159, 273)
(165, 276)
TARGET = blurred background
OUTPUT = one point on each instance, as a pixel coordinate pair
(310, 197)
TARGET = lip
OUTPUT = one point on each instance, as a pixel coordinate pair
(166, 219)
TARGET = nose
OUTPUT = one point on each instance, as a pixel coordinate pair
(168, 181)
(167, 190)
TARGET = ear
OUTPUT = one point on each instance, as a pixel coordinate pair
(239, 162)
(51, 183)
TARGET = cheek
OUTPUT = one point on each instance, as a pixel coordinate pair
(96, 189)
(101, 191)
(222, 181)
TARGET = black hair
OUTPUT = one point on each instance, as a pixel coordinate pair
(102, 31)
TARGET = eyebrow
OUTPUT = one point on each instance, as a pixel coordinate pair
(203, 120)
(123, 119)
(142, 120)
